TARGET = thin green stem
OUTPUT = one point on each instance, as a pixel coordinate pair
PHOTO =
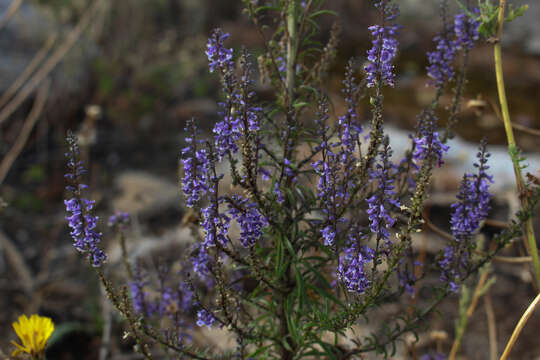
(530, 242)
(291, 49)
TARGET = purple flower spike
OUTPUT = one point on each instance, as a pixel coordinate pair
(219, 57)
(440, 68)
(352, 263)
(196, 164)
(462, 34)
(473, 199)
(427, 143)
(466, 28)
(381, 203)
(349, 126)
(249, 219)
(81, 220)
(471, 209)
(384, 47)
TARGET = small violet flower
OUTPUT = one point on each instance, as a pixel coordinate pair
(205, 318)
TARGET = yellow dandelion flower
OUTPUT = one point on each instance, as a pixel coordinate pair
(34, 333)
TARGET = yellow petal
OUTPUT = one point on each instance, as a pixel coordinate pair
(19, 348)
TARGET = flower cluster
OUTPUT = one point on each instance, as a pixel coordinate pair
(349, 123)
(440, 68)
(427, 142)
(249, 219)
(460, 35)
(141, 303)
(352, 263)
(219, 57)
(330, 189)
(383, 201)
(216, 225)
(473, 205)
(238, 114)
(205, 318)
(466, 28)
(166, 301)
(81, 220)
(384, 46)
(196, 163)
(470, 210)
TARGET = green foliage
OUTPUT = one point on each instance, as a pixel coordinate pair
(489, 12)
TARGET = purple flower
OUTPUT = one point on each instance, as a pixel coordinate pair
(470, 210)
(279, 195)
(218, 55)
(328, 235)
(216, 226)
(239, 115)
(249, 219)
(205, 318)
(196, 162)
(381, 203)
(81, 220)
(433, 356)
(349, 127)
(141, 303)
(287, 168)
(461, 34)
(473, 199)
(384, 47)
(352, 263)
(201, 261)
(466, 28)
(427, 143)
(119, 218)
(440, 68)
(333, 170)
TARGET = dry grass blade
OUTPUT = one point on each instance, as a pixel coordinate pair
(26, 130)
(51, 62)
(32, 66)
(492, 327)
(16, 260)
(519, 327)
(11, 10)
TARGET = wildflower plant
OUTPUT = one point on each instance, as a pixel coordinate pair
(316, 228)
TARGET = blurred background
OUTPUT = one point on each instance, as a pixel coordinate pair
(126, 75)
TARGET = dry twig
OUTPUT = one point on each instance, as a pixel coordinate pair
(11, 10)
(32, 66)
(29, 123)
(51, 62)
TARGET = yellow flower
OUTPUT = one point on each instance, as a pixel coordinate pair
(34, 333)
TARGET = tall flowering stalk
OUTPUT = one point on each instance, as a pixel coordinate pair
(384, 46)
(81, 220)
(384, 200)
(468, 212)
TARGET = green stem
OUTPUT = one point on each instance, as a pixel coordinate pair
(530, 243)
(291, 49)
